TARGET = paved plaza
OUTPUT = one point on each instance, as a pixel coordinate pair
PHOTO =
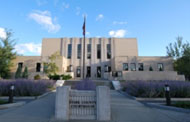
(123, 109)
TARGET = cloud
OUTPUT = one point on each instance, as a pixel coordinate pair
(117, 33)
(65, 6)
(3, 34)
(99, 17)
(45, 20)
(28, 48)
(119, 22)
(78, 9)
(41, 2)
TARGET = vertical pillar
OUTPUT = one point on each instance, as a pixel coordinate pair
(62, 103)
(103, 103)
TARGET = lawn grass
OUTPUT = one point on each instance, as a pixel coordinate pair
(182, 104)
(3, 102)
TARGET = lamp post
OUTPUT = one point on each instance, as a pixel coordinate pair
(167, 95)
(11, 94)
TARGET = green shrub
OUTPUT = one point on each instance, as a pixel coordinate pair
(65, 77)
(25, 73)
(37, 77)
(182, 104)
(54, 77)
(18, 72)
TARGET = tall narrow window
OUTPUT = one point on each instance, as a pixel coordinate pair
(78, 71)
(125, 67)
(98, 51)
(160, 67)
(108, 51)
(79, 51)
(99, 72)
(133, 67)
(38, 67)
(89, 51)
(69, 51)
(88, 74)
(140, 67)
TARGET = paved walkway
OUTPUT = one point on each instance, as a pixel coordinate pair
(123, 110)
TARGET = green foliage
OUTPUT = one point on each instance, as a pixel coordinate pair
(51, 67)
(6, 55)
(25, 73)
(54, 77)
(37, 77)
(150, 68)
(65, 77)
(58, 77)
(18, 73)
(181, 53)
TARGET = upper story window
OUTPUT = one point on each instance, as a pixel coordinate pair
(79, 51)
(125, 67)
(20, 64)
(133, 66)
(69, 53)
(160, 67)
(98, 51)
(108, 51)
(140, 67)
(38, 67)
(89, 51)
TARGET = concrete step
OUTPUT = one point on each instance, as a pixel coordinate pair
(72, 83)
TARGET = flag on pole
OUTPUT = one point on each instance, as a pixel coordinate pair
(84, 26)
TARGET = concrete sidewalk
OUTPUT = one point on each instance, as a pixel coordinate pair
(123, 110)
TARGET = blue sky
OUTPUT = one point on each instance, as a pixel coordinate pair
(155, 23)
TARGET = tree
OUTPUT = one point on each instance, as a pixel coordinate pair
(7, 54)
(25, 73)
(51, 67)
(181, 53)
(18, 72)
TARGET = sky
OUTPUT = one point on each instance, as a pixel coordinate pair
(155, 23)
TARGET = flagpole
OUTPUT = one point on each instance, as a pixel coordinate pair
(84, 32)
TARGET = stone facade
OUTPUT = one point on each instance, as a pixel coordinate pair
(105, 58)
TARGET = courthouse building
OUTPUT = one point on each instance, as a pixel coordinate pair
(105, 58)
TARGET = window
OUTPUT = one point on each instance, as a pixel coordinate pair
(69, 51)
(88, 71)
(125, 67)
(108, 51)
(109, 68)
(98, 51)
(160, 67)
(79, 51)
(133, 67)
(20, 64)
(38, 67)
(140, 67)
(78, 71)
(119, 74)
(89, 51)
(70, 68)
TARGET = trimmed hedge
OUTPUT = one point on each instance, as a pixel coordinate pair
(153, 89)
(25, 87)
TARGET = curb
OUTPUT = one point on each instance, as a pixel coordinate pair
(10, 105)
(171, 108)
(29, 98)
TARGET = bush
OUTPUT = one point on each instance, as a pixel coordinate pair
(37, 77)
(85, 85)
(58, 77)
(25, 87)
(65, 77)
(54, 77)
(25, 73)
(156, 88)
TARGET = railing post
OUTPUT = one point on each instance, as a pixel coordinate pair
(62, 103)
(103, 103)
